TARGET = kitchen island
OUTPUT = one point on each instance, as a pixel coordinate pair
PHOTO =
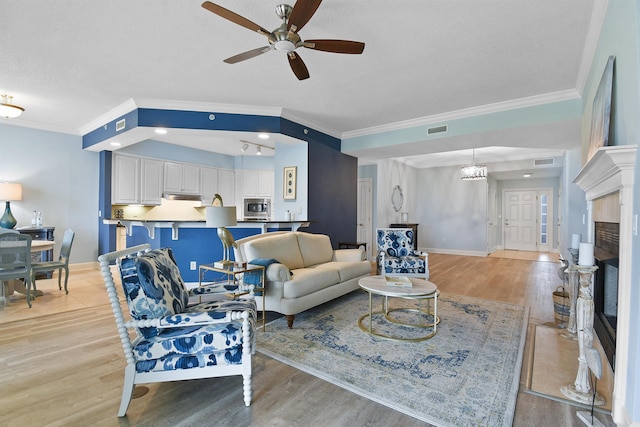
(176, 225)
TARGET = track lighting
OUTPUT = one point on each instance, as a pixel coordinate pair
(245, 145)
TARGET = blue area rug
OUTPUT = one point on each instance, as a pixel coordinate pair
(466, 375)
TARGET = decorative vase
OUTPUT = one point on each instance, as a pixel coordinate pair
(8, 220)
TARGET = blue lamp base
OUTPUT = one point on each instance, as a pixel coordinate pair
(8, 220)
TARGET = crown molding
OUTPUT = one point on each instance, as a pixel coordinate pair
(591, 42)
(497, 107)
(166, 104)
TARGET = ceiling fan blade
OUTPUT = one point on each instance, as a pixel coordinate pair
(297, 65)
(248, 54)
(302, 11)
(235, 18)
(335, 46)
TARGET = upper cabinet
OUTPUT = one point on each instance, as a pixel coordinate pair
(136, 180)
(220, 181)
(181, 178)
(125, 180)
(257, 183)
(150, 182)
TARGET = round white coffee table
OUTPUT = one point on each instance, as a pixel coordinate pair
(420, 290)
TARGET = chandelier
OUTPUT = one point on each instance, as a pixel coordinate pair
(473, 172)
(7, 109)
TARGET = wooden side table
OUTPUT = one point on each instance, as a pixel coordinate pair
(352, 245)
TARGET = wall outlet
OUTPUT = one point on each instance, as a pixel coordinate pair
(192, 265)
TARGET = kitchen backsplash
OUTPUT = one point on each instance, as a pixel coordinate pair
(169, 210)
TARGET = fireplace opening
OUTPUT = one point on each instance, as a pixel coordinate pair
(605, 287)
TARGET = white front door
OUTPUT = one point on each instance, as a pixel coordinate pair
(365, 214)
(520, 214)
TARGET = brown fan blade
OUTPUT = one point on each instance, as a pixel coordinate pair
(297, 65)
(335, 46)
(302, 11)
(235, 18)
(247, 55)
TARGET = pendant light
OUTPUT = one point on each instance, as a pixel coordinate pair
(473, 172)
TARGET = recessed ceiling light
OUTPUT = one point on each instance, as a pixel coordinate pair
(527, 175)
(263, 135)
(115, 144)
(161, 131)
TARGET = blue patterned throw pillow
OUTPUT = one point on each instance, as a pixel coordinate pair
(153, 286)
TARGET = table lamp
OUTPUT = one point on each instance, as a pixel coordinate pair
(8, 192)
(220, 216)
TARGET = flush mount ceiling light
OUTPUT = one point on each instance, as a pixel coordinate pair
(7, 109)
(473, 172)
(263, 135)
(527, 175)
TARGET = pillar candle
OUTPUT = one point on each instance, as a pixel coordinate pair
(586, 254)
(575, 241)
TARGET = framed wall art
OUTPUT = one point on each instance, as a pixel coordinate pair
(601, 112)
(289, 183)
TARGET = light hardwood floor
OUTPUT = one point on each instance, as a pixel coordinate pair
(61, 363)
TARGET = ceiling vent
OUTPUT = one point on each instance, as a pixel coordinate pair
(437, 129)
(543, 162)
(120, 124)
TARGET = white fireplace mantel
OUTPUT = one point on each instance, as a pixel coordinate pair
(610, 170)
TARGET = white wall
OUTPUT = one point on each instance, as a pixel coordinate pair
(59, 179)
(392, 173)
(452, 213)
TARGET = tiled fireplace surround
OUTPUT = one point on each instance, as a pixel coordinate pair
(607, 180)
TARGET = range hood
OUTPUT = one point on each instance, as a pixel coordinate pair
(182, 196)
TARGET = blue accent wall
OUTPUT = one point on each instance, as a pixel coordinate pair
(201, 245)
(333, 188)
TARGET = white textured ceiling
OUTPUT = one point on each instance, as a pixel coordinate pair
(69, 62)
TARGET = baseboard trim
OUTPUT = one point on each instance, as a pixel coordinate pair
(454, 252)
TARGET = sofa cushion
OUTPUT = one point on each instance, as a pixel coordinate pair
(314, 248)
(283, 247)
(308, 280)
(348, 270)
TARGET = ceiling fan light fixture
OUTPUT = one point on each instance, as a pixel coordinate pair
(7, 109)
(284, 46)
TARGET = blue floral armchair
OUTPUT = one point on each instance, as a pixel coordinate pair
(174, 340)
(396, 255)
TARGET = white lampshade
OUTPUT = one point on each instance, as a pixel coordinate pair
(220, 216)
(10, 191)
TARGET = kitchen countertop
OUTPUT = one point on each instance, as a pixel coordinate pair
(175, 225)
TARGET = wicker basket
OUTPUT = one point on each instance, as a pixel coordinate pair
(561, 306)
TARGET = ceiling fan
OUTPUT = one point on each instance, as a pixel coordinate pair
(285, 38)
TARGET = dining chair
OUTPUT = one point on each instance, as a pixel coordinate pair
(15, 259)
(61, 263)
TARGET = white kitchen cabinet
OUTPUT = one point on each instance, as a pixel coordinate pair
(257, 183)
(209, 185)
(125, 180)
(136, 181)
(150, 181)
(181, 178)
(226, 188)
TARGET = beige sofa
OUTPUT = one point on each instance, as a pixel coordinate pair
(309, 271)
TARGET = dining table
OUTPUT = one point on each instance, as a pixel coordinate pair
(12, 286)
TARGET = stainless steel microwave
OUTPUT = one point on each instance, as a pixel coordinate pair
(257, 209)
